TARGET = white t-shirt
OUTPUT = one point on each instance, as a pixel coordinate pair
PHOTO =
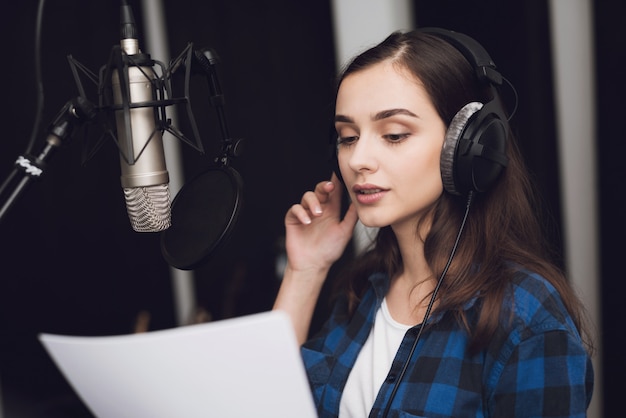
(372, 365)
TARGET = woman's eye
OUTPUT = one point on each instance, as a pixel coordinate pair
(396, 137)
(346, 140)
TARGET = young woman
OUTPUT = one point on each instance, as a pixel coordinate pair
(455, 311)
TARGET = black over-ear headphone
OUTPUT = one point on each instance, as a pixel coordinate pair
(474, 150)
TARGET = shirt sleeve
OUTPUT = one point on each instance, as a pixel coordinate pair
(548, 374)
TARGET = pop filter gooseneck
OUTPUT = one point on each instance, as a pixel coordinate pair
(206, 208)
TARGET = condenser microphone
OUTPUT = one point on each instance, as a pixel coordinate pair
(144, 175)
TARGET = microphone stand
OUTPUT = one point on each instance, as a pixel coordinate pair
(75, 112)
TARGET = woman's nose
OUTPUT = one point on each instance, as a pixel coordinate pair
(363, 154)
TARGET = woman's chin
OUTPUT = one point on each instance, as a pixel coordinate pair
(373, 222)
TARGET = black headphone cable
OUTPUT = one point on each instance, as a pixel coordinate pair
(430, 304)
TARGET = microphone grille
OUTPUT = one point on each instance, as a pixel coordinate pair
(149, 207)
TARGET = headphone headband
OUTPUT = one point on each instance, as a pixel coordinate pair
(472, 51)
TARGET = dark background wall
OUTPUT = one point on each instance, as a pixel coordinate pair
(70, 262)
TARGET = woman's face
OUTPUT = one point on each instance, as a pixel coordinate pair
(389, 146)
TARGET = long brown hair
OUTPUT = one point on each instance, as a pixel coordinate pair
(503, 229)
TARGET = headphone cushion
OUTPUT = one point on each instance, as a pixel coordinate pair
(450, 145)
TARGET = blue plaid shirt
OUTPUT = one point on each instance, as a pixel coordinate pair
(535, 367)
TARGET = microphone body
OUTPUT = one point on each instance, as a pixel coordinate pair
(144, 177)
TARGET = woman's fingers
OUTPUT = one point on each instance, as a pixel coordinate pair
(313, 202)
(297, 215)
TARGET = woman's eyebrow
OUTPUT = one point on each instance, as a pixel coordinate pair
(343, 118)
(383, 114)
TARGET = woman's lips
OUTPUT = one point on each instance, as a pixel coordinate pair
(368, 193)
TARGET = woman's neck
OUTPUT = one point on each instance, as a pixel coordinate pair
(411, 246)
(409, 291)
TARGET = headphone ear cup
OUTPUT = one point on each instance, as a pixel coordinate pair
(451, 141)
(474, 150)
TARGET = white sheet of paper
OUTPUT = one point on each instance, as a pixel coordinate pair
(242, 367)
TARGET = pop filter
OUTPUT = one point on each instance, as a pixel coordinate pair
(203, 214)
(205, 209)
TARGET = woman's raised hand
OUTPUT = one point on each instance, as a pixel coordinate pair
(316, 238)
(316, 235)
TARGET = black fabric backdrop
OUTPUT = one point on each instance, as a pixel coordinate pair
(70, 262)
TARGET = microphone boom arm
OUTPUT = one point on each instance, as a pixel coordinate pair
(74, 113)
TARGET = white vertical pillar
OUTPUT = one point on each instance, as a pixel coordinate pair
(355, 32)
(157, 46)
(574, 76)
(359, 24)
